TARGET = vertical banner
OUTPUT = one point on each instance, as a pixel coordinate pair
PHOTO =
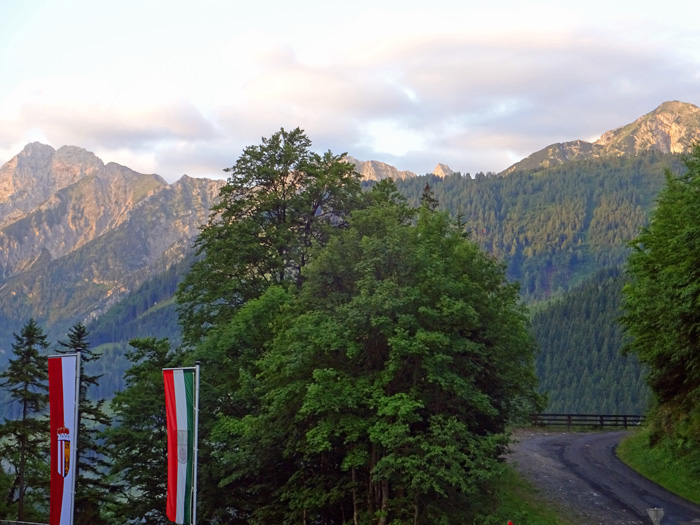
(64, 377)
(181, 410)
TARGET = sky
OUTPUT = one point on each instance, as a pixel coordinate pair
(182, 87)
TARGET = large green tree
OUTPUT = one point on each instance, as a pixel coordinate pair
(662, 304)
(93, 490)
(386, 390)
(280, 198)
(24, 439)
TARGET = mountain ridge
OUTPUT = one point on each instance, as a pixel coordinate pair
(77, 235)
(673, 127)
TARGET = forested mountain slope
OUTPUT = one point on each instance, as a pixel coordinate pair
(563, 234)
(556, 227)
(580, 365)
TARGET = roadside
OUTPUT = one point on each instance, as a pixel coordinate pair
(521, 503)
(661, 464)
(580, 473)
(532, 456)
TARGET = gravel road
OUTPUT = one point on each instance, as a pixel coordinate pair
(580, 472)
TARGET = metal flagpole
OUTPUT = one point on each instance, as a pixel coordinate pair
(77, 434)
(196, 446)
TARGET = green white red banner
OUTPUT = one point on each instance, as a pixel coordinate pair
(64, 377)
(180, 410)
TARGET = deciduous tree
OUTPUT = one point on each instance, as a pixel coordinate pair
(280, 198)
(389, 382)
(662, 304)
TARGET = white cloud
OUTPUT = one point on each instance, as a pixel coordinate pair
(179, 87)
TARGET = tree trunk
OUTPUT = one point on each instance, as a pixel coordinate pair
(385, 502)
(370, 484)
(355, 517)
(22, 466)
(415, 509)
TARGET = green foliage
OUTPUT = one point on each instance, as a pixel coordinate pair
(137, 440)
(662, 301)
(386, 383)
(279, 200)
(556, 227)
(93, 490)
(23, 440)
(660, 462)
(579, 364)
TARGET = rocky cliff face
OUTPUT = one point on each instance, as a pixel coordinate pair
(375, 170)
(673, 127)
(73, 215)
(76, 235)
(37, 173)
(442, 170)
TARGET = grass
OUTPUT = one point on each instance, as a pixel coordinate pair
(660, 465)
(523, 504)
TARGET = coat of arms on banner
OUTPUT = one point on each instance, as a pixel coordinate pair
(63, 451)
(182, 451)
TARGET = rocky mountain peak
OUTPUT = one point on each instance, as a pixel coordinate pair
(36, 173)
(673, 127)
(67, 217)
(375, 170)
(442, 170)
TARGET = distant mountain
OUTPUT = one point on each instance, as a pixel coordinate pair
(442, 170)
(37, 173)
(61, 201)
(77, 236)
(673, 127)
(373, 170)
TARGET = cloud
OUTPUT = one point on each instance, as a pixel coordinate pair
(93, 122)
(406, 83)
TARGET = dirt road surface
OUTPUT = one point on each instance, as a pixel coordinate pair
(580, 473)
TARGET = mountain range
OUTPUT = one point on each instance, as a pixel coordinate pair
(81, 240)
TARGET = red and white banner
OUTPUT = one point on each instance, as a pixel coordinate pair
(64, 377)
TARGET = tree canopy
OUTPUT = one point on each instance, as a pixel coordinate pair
(387, 380)
(662, 304)
(280, 198)
(23, 440)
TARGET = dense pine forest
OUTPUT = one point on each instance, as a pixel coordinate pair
(554, 227)
(563, 234)
(580, 365)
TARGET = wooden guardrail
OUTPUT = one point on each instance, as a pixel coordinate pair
(587, 420)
